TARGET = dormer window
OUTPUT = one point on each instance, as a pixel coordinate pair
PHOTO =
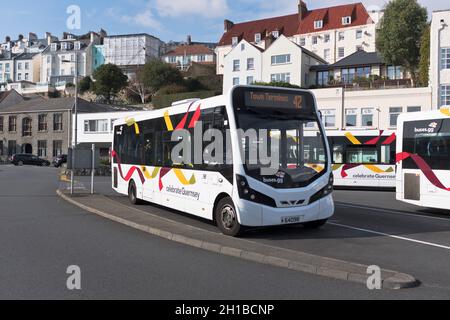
(234, 41)
(275, 34)
(257, 37)
(346, 20)
(64, 46)
(318, 24)
(77, 45)
(54, 47)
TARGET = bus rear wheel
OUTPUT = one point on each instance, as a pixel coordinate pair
(226, 218)
(315, 224)
(132, 194)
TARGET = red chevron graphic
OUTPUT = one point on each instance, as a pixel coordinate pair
(424, 167)
(130, 173)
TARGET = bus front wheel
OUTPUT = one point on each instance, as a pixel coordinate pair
(132, 194)
(227, 219)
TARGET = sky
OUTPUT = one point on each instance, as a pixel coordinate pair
(165, 19)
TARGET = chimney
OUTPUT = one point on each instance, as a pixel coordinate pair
(189, 40)
(228, 25)
(20, 37)
(32, 36)
(49, 38)
(93, 36)
(8, 39)
(302, 9)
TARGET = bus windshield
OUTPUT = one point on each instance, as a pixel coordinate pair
(290, 128)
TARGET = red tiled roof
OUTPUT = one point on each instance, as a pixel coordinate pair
(357, 11)
(190, 50)
(290, 25)
(247, 30)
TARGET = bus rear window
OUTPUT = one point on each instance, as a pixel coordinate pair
(430, 139)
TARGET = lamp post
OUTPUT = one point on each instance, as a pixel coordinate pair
(75, 138)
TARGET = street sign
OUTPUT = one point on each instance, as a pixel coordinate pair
(83, 159)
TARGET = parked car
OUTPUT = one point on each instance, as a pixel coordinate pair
(59, 160)
(28, 159)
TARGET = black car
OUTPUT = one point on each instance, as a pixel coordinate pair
(28, 159)
(59, 160)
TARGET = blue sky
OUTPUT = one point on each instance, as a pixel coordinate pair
(166, 19)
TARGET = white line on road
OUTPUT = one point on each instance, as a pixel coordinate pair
(391, 211)
(391, 236)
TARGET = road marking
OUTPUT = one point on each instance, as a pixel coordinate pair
(391, 211)
(391, 236)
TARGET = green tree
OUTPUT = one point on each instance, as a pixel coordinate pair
(157, 74)
(399, 37)
(109, 80)
(424, 63)
(85, 84)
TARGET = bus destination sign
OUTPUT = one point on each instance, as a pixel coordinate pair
(277, 100)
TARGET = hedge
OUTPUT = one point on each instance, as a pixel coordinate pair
(166, 100)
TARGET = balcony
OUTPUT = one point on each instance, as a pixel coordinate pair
(366, 84)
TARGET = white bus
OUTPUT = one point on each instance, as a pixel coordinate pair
(423, 172)
(234, 193)
(363, 158)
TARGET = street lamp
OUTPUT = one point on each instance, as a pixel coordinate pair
(75, 140)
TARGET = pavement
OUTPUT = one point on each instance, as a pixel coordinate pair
(42, 235)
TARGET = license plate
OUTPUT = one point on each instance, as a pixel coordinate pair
(294, 219)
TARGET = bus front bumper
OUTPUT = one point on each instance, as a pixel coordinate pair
(254, 215)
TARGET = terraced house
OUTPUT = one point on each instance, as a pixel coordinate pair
(42, 127)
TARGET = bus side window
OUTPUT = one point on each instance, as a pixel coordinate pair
(386, 155)
(338, 154)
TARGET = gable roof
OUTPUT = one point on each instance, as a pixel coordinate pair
(291, 25)
(359, 58)
(193, 49)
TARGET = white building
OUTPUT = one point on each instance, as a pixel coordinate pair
(7, 66)
(332, 33)
(61, 59)
(242, 65)
(28, 67)
(440, 58)
(183, 56)
(282, 61)
(97, 128)
(131, 50)
(369, 109)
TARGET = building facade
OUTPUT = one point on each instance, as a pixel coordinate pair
(369, 109)
(361, 68)
(183, 56)
(7, 67)
(282, 61)
(331, 33)
(28, 67)
(131, 50)
(440, 58)
(43, 127)
(97, 128)
(62, 58)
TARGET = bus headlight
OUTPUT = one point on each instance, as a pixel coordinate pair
(324, 192)
(247, 193)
